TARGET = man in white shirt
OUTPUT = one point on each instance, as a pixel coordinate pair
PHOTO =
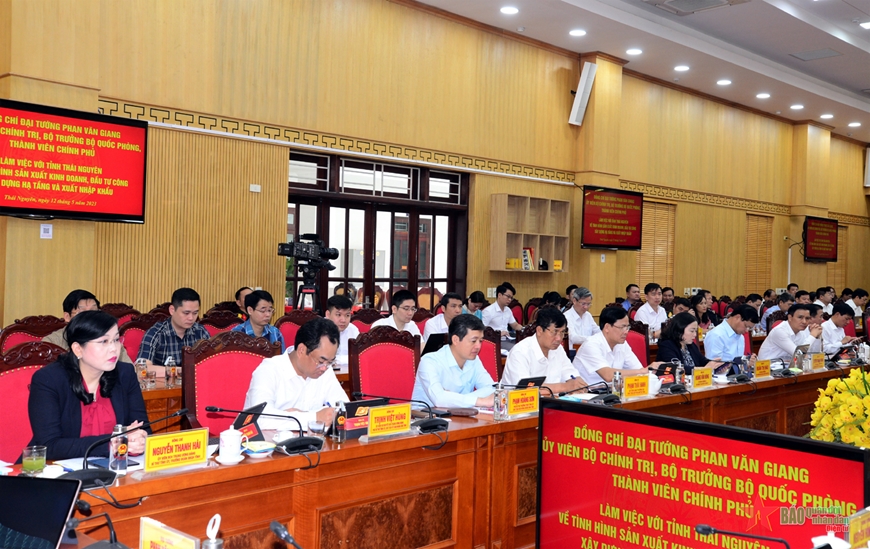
(832, 329)
(782, 340)
(581, 325)
(300, 383)
(606, 352)
(824, 298)
(543, 355)
(454, 376)
(498, 316)
(451, 307)
(859, 300)
(651, 313)
(339, 309)
(404, 306)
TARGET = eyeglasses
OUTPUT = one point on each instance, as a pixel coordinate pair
(107, 343)
(323, 363)
(409, 309)
(558, 333)
(508, 296)
(624, 328)
(269, 311)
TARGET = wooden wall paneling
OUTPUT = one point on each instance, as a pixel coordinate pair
(845, 190)
(857, 274)
(837, 269)
(416, 79)
(203, 227)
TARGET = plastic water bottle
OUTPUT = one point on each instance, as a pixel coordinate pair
(616, 385)
(339, 432)
(118, 451)
(171, 371)
(499, 405)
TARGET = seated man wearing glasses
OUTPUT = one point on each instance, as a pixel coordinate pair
(404, 307)
(300, 383)
(606, 352)
(498, 316)
(260, 307)
(544, 355)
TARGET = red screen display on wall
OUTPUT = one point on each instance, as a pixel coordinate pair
(69, 164)
(820, 239)
(611, 219)
(614, 478)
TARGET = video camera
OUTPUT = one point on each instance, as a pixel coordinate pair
(311, 255)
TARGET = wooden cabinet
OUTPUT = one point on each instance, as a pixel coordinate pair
(520, 222)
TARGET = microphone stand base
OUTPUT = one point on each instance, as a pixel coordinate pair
(89, 477)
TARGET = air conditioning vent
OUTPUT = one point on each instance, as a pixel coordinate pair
(686, 7)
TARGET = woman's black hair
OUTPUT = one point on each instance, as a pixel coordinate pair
(83, 328)
(696, 300)
(676, 326)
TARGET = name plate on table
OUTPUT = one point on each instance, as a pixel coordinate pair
(702, 377)
(818, 361)
(176, 449)
(156, 535)
(389, 420)
(762, 368)
(523, 401)
(636, 386)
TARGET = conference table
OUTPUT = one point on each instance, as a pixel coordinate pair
(478, 490)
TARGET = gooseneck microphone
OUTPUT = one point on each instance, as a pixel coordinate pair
(706, 530)
(102, 544)
(281, 531)
(292, 446)
(91, 478)
(587, 387)
(430, 425)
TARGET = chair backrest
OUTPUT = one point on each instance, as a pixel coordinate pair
(529, 309)
(421, 316)
(220, 321)
(527, 331)
(517, 309)
(231, 306)
(290, 323)
(490, 353)
(217, 372)
(121, 311)
(426, 299)
(639, 345)
(384, 362)
(134, 331)
(849, 328)
(161, 308)
(775, 318)
(747, 349)
(537, 310)
(16, 368)
(29, 328)
(364, 318)
(632, 311)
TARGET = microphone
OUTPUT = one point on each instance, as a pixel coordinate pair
(425, 425)
(91, 478)
(281, 531)
(706, 530)
(291, 446)
(587, 387)
(102, 544)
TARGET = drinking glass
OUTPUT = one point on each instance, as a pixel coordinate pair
(33, 460)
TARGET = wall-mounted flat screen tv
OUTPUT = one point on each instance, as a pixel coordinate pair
(612, 219)
(59, 163)
(820, 239)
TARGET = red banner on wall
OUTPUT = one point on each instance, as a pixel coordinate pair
(70, 164)
(611, 219)
(621, 483)
(820, 239)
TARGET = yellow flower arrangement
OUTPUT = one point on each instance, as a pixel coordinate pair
(842, 409)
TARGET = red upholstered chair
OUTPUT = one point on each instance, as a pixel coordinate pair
(517, 309)
(290, 323)
(529, 310)
(364, 318)
(121, 311)
(220, 321)
(490, 353)
(29, 328)
(384, 362)
(849, 328)
(161, 308)
(134, 331)
(775, 318)
(638, 339)
(217, 372)
(16, 368)
(421, 316)
(747, 349)
(633, 310)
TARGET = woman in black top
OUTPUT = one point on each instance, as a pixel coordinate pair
(678, 342)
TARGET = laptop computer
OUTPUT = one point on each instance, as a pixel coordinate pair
(34, 511)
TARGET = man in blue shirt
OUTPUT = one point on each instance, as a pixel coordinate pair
(726, 341)
(260, 307)
(453, 376)
(632, 296)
